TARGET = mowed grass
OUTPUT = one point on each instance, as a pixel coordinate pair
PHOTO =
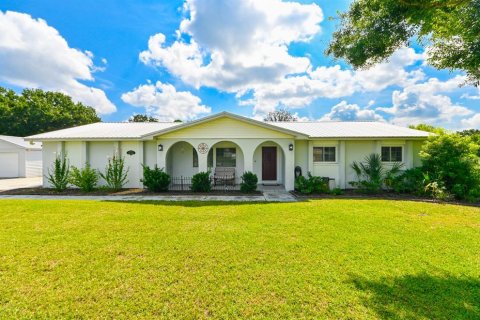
(337, 259)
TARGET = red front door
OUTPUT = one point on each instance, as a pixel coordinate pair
(269, 163)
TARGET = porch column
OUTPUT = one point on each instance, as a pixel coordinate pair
(342, 162)
(83, 153)
(408, 154)
(202, 162)
(141, 160)
(161, 156)
(310, 157)
(289, 167)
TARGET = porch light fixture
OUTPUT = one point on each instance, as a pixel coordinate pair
(290, 147)
(160, 147)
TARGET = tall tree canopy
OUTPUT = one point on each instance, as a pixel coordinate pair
(37, 111)
(142, 118)
(371, 30)
(280, 115)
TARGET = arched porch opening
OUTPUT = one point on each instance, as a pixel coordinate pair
(224, 156)
(182, 160)
(269, 163)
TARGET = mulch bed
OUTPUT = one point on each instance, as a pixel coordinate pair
(123, 192)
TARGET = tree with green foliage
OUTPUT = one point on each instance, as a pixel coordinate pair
(142, 118)
(372, 30)
(427, 128)
(282, 115)
(36, 111)
(452, 161)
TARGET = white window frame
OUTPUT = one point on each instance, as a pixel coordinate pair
(393, 146)
(325, 162)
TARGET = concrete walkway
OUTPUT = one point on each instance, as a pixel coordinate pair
(17, 183)
(266, 197)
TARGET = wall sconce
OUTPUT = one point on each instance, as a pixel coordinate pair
(290, 147)
(160, 147)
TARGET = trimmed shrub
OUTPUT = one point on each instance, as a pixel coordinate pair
(155, 180)
(59, 174)
(312, 184)
(201, 182)
(86, 178)
(249, 182)
(410, 181)
(115, 173)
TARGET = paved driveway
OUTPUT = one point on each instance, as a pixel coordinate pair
(10, 184)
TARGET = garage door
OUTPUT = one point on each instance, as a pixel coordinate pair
(8, 165)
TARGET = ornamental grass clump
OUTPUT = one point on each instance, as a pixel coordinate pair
(58, 175)
(115, 174)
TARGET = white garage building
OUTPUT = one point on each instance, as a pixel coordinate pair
(19, 159)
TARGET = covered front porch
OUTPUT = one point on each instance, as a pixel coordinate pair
(227, 160)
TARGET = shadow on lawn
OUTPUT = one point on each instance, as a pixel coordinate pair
(422, 297)
(188, 203)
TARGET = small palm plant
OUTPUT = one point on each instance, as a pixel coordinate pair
(59, 174)
(372, 175)
(115, 173)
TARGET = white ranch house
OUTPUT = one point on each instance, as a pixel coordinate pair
(272, 150)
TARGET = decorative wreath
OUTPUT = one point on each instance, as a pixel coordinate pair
(203, 148)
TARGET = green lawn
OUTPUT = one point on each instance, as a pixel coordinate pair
(349, 259)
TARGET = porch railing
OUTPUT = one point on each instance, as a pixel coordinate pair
(226, 183)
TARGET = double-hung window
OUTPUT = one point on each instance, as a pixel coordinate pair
(392, 154)
(324, 154)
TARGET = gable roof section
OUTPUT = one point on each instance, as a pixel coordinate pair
(21, 143)
(351, 129)
(225, 114)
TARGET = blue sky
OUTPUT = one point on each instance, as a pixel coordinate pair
(187, 59)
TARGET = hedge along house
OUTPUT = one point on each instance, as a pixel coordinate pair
(272, 150)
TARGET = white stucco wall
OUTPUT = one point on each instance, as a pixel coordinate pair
(150, 153)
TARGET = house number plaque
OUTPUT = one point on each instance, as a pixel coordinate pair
(203, 148)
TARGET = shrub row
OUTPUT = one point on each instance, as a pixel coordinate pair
(86, 179)
(450, 170)
(61, 175)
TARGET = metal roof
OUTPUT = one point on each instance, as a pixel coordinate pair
(147, 130)
(105, 131)
(351, 129)
(20, 142)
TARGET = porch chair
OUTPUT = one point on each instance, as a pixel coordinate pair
(224, 175)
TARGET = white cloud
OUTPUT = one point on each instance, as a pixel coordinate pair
(427, 103)
(235, 45)
(471, 123)
(335, 82)
(33, 54)
(165, 102)
(242, 47)
(351, 112)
